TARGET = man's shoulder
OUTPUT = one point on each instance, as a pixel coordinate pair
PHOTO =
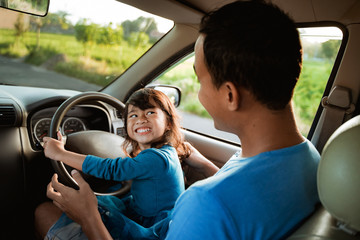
(216, 187)
(240, 174)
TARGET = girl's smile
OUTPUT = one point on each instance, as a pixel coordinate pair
(143, 130)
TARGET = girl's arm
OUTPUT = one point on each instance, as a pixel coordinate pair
(197, 161)
(55, 150)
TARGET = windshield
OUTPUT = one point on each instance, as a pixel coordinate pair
(81, 45)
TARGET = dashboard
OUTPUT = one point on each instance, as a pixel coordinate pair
(78, 118)
(31, 110)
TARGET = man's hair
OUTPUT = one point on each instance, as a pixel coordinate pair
(142, 99)
(255, 45)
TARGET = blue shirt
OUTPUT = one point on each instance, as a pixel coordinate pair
(156, 173)
(261, 197)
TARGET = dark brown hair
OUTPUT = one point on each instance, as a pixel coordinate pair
(141, 99)
(255, 45)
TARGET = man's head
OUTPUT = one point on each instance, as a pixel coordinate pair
(255, 46)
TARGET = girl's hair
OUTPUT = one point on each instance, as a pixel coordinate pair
(173, 136)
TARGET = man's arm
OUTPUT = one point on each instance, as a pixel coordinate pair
(197, 161)
(79, 205)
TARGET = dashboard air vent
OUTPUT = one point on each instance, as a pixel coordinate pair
(7, 115)
(118, 113)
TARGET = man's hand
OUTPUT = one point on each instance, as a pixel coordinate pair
(79, 205)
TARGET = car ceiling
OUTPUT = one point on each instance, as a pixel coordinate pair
(190, 11)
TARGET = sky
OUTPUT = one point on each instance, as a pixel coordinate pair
(105, 11)
(321, 34)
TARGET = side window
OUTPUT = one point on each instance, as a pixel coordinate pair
(320, 48)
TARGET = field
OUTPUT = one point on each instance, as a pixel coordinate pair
(103, 63)
(309, 91)
(96, 67)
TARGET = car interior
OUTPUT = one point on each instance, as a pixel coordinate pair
(91, 118)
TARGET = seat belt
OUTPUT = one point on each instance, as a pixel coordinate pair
(336, 106)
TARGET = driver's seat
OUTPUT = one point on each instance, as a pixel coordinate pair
(339, 188)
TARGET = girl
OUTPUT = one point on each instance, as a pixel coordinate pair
(153, 134)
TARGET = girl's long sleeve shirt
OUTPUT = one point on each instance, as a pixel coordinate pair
(156, 174)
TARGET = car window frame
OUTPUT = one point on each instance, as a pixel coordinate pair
(334, 69)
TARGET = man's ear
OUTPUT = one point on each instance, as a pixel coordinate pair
(232, 96)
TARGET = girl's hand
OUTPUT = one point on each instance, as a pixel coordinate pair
(54, 148)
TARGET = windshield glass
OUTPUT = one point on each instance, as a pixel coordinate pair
(81, 45)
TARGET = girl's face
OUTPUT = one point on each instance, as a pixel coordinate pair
(146, 126)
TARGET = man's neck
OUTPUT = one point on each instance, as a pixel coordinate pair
(269, 130)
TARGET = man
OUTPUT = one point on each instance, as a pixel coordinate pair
(248, 60)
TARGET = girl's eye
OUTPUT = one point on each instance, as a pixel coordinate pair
(132, 116)
(150, 112)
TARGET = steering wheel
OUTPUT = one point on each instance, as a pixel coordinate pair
(98, 143)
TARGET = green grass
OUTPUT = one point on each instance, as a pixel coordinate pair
(100, 66)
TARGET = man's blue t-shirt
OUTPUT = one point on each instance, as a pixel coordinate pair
(261, 197)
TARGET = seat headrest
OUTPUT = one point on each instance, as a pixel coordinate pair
(339, 174)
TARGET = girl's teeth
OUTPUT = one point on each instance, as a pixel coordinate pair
(143, 130)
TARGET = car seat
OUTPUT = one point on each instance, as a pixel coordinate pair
(338, 216)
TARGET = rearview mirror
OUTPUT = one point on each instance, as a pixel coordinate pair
(173, 92)
(34, 7)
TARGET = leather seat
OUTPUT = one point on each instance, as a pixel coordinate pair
(338, 216)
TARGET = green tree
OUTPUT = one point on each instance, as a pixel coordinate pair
(148, 26)
(20, 26)
(87, 34)
(54, 22)
(4, 3)
(129, 27)
(141, 24)
(57, 22)
(109, 35)
(37, 5)
(139, 39)
(330, 48)
(18, 48)
(38, 23)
